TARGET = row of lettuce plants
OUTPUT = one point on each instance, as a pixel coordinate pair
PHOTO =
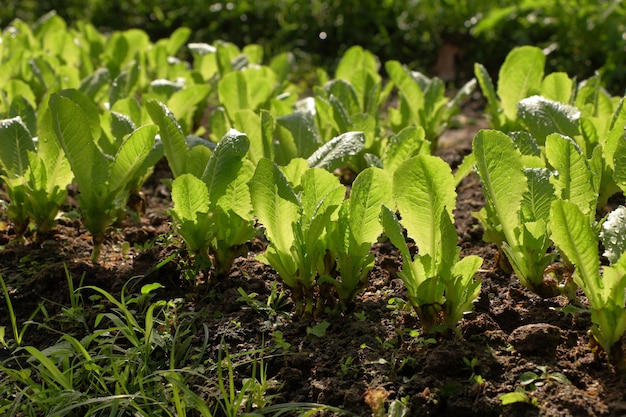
(548, 168)
(250, 153)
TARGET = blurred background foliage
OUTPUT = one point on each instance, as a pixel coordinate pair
(581, 36)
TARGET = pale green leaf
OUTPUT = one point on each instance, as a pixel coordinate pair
(557, 86)
(275, 204)
(499, 165)
(190, 197)
(572, 177)
(237, 195)
(224, 164)
(15, 142)
(131, 156)
(304, 134)
(71, 127)
(520, 76)
(174, 145)
(338, 148)
(371, 189)
(573, 235)
(423, 188)
(543, 117)
(540, 194)
(409, 142)
(322, 194)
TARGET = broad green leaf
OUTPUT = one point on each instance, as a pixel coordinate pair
(275, 204)
(525, 143)
(557, 86)
(499, 166)
(371, 189)
(237, 195)
(88, 107)
(520, 76)
(345, 93)
(359, 67)
(177, 39)
(423, 189)
(72, 130)
(543, 117)
(322, 194)
(410, 141)
(190, 196)
(573, 235)
(22, 108)
(572, 177)
(131, 156)
(224, 165)
(253, 125)
(122, 47)
(125, 83)
(190, 199)
(293, 171)
(409, 89)
(304, 134)
(94, 83)
(536, 201)
(174, 145)
(337, 149)
(248, 89)
(182, 103)
(121, 125)
(15, 142)
(282, 64)
(320, 189)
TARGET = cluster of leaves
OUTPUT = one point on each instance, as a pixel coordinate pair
(105, 127)
(556, 146)
(548, 169)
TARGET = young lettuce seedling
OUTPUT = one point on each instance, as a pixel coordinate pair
(575, 236)
(102, 182)
(36, 174)
(516, 216)
(294, 225)
(441, 286)
(423, 101)
(520, 76)
(214, 212)
(350, 238)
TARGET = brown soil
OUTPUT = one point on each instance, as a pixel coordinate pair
(367, 352)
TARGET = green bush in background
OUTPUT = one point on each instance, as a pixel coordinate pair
(581, 35)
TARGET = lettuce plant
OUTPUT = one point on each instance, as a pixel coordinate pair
(577, 239)
(441, 287)
(294, 225)
(36, 174)
(213, 212)
(350, 238)
(520, 76)
(516, 214)
(102, 181)
(423, 101)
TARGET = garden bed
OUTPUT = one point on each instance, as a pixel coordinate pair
(512, 341)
